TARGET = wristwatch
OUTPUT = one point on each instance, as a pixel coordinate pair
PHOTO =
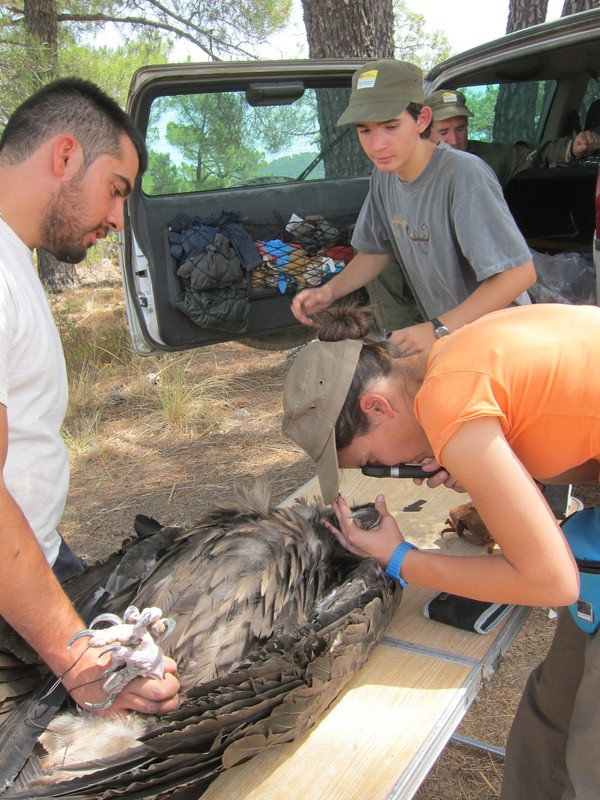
(439, 328)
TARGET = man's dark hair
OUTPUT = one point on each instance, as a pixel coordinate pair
(414, 109)
(75, 106)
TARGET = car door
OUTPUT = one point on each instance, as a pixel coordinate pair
(251, 193)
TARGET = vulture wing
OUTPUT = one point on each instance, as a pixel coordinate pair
(273, 620)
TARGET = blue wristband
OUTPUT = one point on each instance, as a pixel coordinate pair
(393, 568)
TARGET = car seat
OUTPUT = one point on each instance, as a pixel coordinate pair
(592, 118)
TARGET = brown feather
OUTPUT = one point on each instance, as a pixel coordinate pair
(273, 619)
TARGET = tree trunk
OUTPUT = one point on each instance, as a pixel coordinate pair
(345, 29)
(518, 101)
(40, 19)
(349, 28)
(55, 275)
(525, 13)
(574, 6)
(383, 17)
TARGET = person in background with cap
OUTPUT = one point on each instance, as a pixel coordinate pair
(495, 405)
(450, 124)
(439, 212)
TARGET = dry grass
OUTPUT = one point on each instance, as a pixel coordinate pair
(166, 436)
(163, 435)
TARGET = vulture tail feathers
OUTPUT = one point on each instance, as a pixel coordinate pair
(20, 732)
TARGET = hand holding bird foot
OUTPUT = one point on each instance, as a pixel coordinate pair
(133, 644)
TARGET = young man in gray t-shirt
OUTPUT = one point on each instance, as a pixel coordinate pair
(440, 213)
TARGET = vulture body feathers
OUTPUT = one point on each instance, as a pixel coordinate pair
(273, 618)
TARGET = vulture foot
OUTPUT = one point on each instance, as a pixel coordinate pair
(138, 653)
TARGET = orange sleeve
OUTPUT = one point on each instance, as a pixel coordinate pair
(448, 400)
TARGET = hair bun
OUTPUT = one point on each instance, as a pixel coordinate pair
(345, 321)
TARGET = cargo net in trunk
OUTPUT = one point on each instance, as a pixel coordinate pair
(221, 259)
(309, 251)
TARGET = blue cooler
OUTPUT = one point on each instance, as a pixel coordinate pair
(582, 532)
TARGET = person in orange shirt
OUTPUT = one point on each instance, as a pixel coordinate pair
(504, 402)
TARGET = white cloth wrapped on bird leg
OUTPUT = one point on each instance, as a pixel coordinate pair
(138, 655)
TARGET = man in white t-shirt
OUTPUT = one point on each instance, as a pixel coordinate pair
(69, 157)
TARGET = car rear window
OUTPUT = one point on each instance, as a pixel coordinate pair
(222, 139)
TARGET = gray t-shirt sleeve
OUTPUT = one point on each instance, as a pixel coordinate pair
(485, 229)
(371, 234)
(457, 204)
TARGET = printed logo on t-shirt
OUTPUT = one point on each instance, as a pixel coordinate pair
(400, 226)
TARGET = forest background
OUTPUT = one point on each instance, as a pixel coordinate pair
(107, 40)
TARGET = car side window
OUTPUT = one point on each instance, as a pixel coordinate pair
(509, 112)
(589, 112)
(222, 139)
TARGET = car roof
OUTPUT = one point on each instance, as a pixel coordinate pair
(554, 49)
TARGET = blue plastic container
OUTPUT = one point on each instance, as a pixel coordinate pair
(582, 532)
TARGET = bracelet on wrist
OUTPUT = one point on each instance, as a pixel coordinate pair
(393, 568)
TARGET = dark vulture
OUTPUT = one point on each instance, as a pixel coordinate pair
(273, 618)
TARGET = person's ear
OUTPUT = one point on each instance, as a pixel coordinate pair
(67, 156)
(375, 405)
(424, 119)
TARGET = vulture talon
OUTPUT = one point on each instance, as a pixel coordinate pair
(115, 679)
(171, 624)
(79, 635)
(110, 649)
(131, 615)
(102, 706)
(114, 619)
(143, 621)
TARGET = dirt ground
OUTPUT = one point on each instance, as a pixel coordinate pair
(142, 466)
(134, 459)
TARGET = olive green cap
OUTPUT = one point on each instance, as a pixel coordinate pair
(447, 103)
(314, 394)
(381, 90)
